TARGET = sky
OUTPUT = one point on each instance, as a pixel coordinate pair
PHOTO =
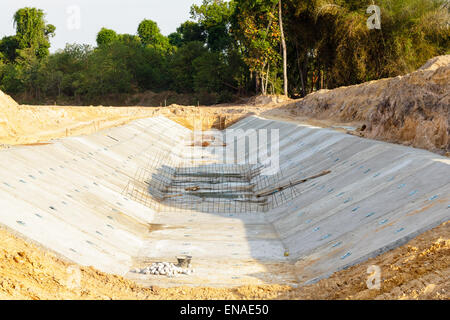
(78, 21)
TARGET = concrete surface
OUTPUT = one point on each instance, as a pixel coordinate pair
(69, 197)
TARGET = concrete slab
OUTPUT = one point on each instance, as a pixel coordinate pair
(69, 197)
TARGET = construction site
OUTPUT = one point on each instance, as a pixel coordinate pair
(271, 199)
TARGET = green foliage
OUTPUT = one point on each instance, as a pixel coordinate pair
(11, 79)
(32, 32)
(331, 38)
(414, 31)
(231, 47)
(209, 69)
(256, 26)
(214, 18)
(182, 68)
(188, 32)
(129, 39)
(8, 48)
(107, 71)
(150, 35)
(212, 73)
(175, 39)
(106, 37)
(25, 53)
(66, 68)
(149, 32)
(149, 68)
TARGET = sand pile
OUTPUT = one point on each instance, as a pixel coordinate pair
(412, 109)
(29, 124)
(7, 104)
(23, 124)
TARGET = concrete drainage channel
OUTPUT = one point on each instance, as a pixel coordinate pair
(116, 200)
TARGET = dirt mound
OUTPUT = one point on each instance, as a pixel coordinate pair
(268, 99)
(6, 101)
(417, 270)
(6, 105)
(22, 124)
(412, 109)
(29, 124)
(436, 62)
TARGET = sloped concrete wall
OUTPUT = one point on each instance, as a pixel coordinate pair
(67, 195)
(377, 197)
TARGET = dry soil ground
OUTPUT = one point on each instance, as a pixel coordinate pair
(417, 270)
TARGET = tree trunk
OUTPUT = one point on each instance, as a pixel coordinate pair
(263, 84)
(301, 72)
(283, 43)
(321, 79)
(267, 78)
(257, 82)
(303, 84)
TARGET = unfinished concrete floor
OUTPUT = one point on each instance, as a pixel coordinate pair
(70, 196)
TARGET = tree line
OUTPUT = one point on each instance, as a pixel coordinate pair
(229, 49)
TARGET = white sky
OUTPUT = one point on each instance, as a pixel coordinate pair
(123, 16)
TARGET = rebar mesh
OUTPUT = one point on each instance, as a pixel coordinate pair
(170, 184)
(189, 177)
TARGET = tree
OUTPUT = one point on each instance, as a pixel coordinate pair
(214, 19)
(8, 48)
(106, 36)
(32, 32)
(283, 43)
(175, 39)
(257, 29)
(189, 31)
(234, 46)
(65, 69)
(11, 79)
(129, 39)
(149, 32)
(150, 35)
(182, 68)
(107, 72)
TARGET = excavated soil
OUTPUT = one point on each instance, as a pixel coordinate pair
(21, 124)
(413, 109)
(417, 270)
